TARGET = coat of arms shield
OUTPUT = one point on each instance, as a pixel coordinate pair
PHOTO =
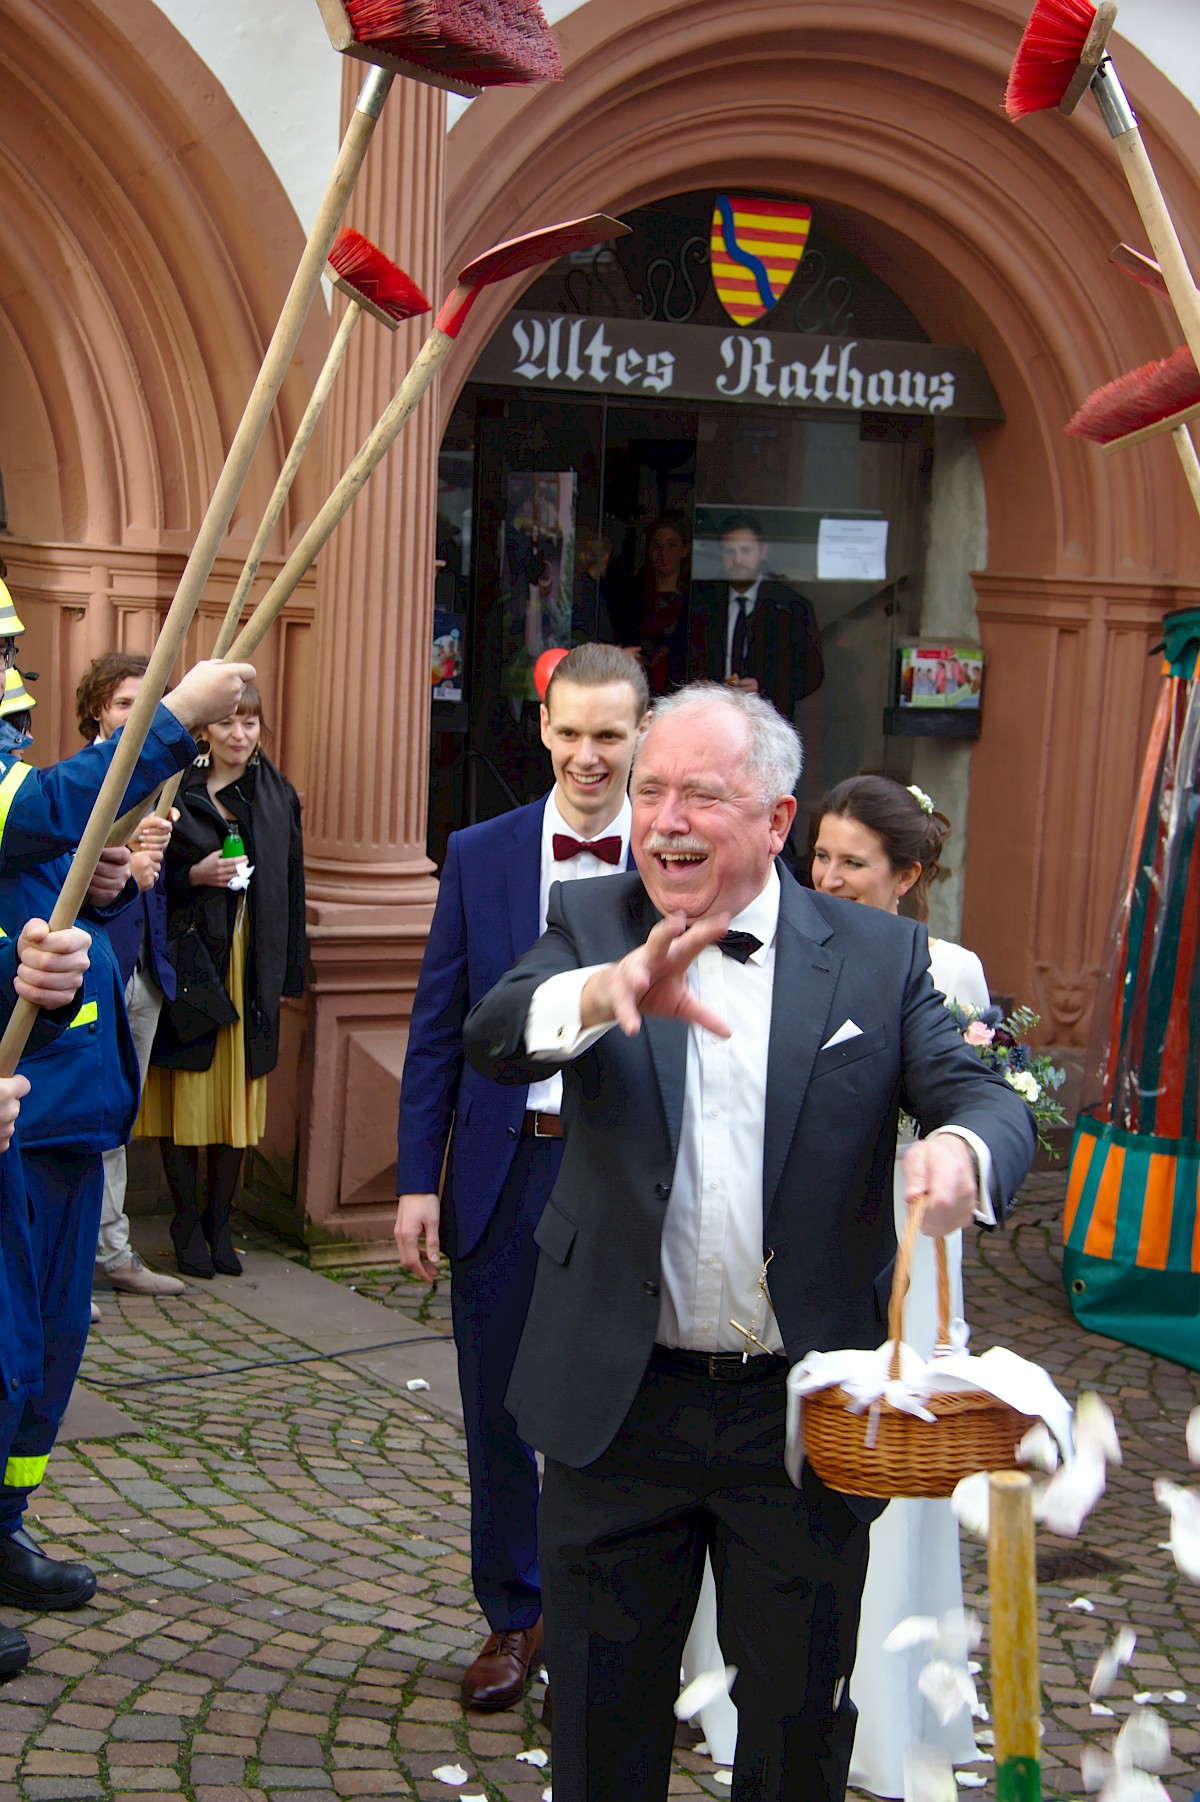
(756, 249)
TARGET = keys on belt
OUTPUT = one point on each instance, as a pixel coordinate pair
(541, 1126)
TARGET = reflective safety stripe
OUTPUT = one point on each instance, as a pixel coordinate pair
(8, 788)
(89, 1012)
(25, 1473)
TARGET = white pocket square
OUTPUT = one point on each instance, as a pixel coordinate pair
(847, 1030)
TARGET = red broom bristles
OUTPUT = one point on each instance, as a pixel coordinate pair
(375, 277)
(486, 42)
(1141, 398)
(1048, 55)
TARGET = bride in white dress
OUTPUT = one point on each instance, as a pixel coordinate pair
(876, 843)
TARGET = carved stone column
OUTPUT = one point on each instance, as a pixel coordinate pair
(370, 885)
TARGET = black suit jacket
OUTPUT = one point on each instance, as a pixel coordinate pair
(783, 645)
(830, 1144)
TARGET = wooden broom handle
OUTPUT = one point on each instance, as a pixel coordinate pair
(1164, 239)
(287, 476)
(900, 1282)
(212, 530)
(383, 435)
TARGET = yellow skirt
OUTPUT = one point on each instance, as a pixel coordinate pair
(218, 1106)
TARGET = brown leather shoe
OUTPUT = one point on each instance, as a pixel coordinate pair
(500, 1672)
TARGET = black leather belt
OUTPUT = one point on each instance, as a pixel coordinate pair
(718, 1367)
(541, 1126)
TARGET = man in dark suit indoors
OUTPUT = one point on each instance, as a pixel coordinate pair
(506, 1144)
(752, 631)
(722, 1118)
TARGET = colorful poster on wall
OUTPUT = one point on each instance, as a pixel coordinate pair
(449, 637)
(538, 573)
(941, 675)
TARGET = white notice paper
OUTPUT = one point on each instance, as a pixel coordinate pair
(852, 550)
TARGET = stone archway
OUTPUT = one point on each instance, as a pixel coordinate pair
(147, 248)
(890, 119)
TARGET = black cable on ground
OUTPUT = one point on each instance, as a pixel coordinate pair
(233, 1370)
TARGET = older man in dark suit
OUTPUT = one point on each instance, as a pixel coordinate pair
(735, 1051)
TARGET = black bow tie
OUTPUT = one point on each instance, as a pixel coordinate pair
(608, 850)
(741, 945)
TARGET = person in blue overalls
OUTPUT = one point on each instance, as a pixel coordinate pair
(45, 968)
(85, 1086)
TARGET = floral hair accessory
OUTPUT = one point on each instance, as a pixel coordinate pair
(920, 797)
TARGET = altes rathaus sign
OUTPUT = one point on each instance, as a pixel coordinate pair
(582, 355)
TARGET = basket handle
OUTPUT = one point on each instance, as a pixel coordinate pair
(900, 1280)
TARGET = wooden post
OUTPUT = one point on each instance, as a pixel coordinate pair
(1012, 1582)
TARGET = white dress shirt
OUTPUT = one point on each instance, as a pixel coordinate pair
(712, 1240)
(546, 1097)
(750, 597)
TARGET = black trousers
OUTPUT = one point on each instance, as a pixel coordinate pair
(698, 1466)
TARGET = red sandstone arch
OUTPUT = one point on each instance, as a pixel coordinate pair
(889, 117)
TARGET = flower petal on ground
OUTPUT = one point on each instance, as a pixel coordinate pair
(1083, 1605)
(702, 1690)
(969, 1780)
(537, 1757)
(450, 1773)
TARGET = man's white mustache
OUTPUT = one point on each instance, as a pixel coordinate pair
(656, 844)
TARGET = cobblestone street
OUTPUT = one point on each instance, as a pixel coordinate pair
(280, 1538)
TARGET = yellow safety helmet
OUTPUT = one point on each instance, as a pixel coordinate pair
(10, 623)
(17, 698)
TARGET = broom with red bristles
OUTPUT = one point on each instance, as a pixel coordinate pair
(1062, 55)
(377, 287)
(463, 45)
(514, 45)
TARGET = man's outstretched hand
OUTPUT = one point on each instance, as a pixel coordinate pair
(653, 979)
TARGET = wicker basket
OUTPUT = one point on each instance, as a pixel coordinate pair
(906, 1456)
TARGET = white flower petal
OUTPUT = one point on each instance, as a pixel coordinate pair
(958, 1632)
(416, 1384)
(1083, 1605)
(916, 1630)
(1039, 1448)
(947, 1688)
(1147, 1695)
(1133, 1786)
(725, 1777)
(1184, 1506)
(985, 1737)
(969, 1780)
(1110, 1661)
(450, 1773)
(1175, 1695)
(1144, 1741)
(537, 1757)
(547, 1795)
(974, 1667)
(1094, 1767)
(1095, 1428)
(1101, 1708)
(1071, 1494)
(970, 1504)
(1193, 1436)
(702, 1690)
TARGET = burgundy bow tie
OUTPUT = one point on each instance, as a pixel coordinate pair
(608, 850)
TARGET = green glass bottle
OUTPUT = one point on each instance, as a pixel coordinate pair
(233, 846)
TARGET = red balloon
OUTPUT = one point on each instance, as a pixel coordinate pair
(544, 668)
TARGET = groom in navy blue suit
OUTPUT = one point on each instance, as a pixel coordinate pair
(505, 1143)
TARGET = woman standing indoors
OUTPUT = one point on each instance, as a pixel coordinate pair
(235, 893)
(659, 626)
(878, 841)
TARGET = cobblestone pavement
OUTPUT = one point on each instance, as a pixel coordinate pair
(284, 1602)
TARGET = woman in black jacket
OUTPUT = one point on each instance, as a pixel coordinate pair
(236, 933)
